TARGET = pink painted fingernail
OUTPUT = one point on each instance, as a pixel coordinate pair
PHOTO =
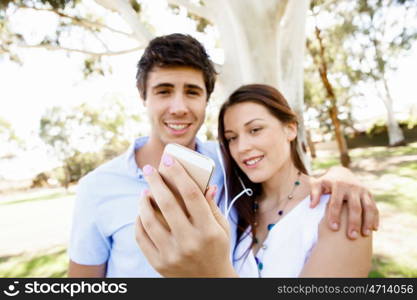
(167, 160)
(213, 194)
(147, 170)
(354, 234)
(145, 192)
(335, 226)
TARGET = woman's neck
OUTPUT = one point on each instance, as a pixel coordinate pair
(280, 185)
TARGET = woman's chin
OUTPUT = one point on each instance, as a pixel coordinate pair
(257, 178)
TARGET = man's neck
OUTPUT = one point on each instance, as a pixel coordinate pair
(151, 153)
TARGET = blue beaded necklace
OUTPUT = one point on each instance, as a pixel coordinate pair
(280, 213)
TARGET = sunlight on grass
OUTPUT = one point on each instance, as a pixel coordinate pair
(325, 163)
(381, 152)
(39, 198)
(392, 173)
(401, 193)
(53, 263)
(385, 267)
(394, 178)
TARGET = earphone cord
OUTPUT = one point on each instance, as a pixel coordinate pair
(248, 191)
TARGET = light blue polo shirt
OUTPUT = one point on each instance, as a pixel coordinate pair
(106, 208)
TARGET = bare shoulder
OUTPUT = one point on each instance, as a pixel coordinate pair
(335, 255)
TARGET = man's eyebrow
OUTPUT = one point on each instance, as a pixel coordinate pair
(163, 84)
(193, 86)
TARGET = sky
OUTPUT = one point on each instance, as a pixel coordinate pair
(54, 78)
(50, 78)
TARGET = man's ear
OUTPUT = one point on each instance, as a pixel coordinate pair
(291, 130)
(142, 99)
(142, 96)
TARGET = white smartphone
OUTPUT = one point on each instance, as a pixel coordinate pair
(198, 166)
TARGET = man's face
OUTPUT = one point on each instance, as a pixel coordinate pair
(176, 99)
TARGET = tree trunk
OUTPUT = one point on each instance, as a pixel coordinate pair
(333, 111)
(341, 141)
(263, 42)
(67, 174)
(311, 145)
(395, 134)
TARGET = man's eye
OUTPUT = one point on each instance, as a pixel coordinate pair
(194, 93)
(162, 92)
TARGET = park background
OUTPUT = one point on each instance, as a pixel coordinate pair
(68, 102)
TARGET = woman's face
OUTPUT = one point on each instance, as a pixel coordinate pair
(258, 141)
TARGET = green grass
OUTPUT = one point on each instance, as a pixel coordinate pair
(38, 198)
(387, 268)
(402, 196)
(53, 263)
(384, 152)
(400, 192)
(398, 182)
(325, 163)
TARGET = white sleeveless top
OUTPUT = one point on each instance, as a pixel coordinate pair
(288, 244)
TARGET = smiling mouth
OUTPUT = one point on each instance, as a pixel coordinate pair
(252, 161)
(178, 128)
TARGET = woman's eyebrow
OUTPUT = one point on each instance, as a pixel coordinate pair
(248, 122)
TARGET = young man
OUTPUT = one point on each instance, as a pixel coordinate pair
(175, 79)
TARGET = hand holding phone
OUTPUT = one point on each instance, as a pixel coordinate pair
(198, 166)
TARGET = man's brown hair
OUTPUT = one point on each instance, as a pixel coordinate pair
(172, 51)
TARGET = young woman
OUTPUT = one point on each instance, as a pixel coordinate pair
(279, 235)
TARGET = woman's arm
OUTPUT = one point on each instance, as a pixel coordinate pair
(337, 256)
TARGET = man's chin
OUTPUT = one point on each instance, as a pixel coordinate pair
(183, 141)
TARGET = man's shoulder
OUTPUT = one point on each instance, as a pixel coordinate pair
(209, 148)
(115, 166)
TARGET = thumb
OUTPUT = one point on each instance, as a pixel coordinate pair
(211, 196)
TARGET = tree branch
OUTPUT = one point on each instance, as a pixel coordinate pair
(108, 53)
(129, 15)
(81, 21)
(195, 9)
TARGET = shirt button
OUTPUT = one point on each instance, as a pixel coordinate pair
(264, 247)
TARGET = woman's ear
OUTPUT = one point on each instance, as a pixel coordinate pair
(291, 130)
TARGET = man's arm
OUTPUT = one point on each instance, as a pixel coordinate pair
(87, 244)
(343, 185)
(84, 271)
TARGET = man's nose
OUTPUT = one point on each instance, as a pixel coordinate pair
(178, 106)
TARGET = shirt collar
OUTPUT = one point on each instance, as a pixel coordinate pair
(129, 156)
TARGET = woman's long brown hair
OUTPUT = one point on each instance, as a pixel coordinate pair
(277, 105)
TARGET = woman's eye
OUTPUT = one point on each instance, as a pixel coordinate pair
(254, 130)
(230, 139)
